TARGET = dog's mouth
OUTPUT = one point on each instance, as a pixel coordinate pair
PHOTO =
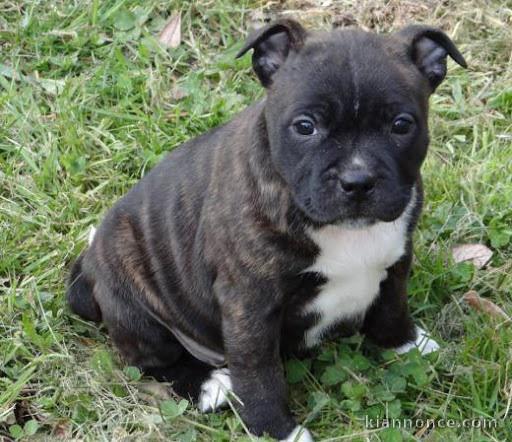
(356, 223)
(356, 215)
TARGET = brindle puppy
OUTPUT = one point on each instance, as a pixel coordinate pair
(289, 224)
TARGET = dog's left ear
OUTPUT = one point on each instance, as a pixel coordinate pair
(428, 48)
(272, 44)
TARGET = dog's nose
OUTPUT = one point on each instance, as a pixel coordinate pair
(357, 182)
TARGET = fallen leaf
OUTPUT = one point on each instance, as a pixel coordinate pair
(478, 254)
(87, 341)
(475, 301)
(159, 390)
(62, 430)
(170, 35)
(178, 93)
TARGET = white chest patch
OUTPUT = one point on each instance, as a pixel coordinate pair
(354, 261)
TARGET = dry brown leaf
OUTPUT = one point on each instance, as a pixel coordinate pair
(478, 254)
(158, 390)
(170, 35)
(87, 341)
(480, 304)
(178, 93)
(62, 430)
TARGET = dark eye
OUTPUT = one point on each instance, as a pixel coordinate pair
(402, 125)
(305, 127)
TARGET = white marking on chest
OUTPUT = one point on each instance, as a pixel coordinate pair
(354, 261)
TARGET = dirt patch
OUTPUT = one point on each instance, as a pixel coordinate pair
(377, 15)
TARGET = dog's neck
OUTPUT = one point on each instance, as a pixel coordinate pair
(270, 195)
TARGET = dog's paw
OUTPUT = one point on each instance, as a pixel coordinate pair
(299, 434)
(215, 390)
(423, 343)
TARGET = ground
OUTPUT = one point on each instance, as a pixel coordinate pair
(89, 100)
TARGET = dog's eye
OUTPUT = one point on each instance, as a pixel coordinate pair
(402, 124)
(305, 127)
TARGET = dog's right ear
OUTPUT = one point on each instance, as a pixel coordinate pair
(428, 49)
(272, 44)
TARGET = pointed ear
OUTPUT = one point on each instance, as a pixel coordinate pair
(428, 47)
(272, 44)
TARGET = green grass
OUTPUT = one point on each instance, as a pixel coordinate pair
(89, 101)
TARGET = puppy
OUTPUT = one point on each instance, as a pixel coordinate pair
(288, 225)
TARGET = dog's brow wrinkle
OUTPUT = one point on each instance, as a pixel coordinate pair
(353, 74)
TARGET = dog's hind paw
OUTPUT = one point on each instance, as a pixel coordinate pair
(423, 343)
(299, 434)
(215, 390)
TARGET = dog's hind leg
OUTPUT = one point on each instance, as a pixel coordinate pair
(142, 340)
(146, 343)
(80, 294)
(158, 354)
(205, 385)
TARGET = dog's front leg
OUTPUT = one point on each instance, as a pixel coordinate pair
(251, 326)
(388, 322)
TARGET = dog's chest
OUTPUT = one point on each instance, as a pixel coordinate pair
(354, 262)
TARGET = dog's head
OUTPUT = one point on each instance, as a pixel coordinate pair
(346, 114)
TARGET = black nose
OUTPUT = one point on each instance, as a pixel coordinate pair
(357, 182)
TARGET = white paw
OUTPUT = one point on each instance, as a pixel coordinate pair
(90, 237)
(214, 391)
(422, 342)
(299, 434)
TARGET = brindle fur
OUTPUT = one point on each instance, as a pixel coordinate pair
(212, 242)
